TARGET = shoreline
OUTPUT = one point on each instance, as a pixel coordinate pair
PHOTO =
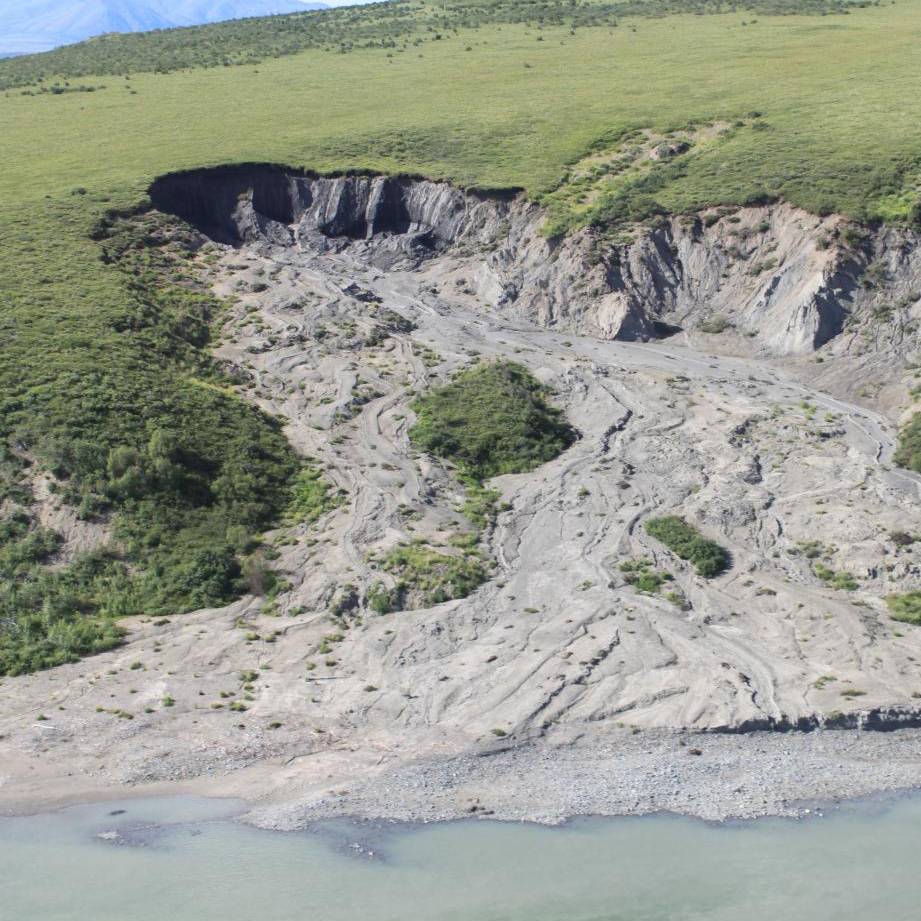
(733, 777)
(547, 781)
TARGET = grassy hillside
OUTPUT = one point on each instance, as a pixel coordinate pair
(107, 385)
(103, 355)
(838, 96)
(399, 24)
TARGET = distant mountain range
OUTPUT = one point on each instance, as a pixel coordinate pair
(37, 25)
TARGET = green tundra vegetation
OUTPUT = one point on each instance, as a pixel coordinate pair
(687, 543)
(395, 25)
(906, 607)
(106, 385)
(908, 451)
(490, 419)
(111, 394)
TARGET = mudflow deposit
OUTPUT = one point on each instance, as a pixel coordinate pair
(746, 369)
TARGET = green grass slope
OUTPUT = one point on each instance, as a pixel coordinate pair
(104, 372)
(838, 96)
(394, 25)
(106, 384)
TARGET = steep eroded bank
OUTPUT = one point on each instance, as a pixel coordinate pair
(786, 281)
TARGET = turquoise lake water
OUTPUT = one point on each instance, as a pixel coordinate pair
(184, 859)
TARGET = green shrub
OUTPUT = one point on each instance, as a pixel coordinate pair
(491, 419)
(426, 576)
(686, 542)
(648, 582)
(642, 577)
(839, 580)
(905, 607)
(383, 600)
(714, 325)
(481, 506)
(908, 452)
(311, 496)
(38, 640)
(678, 600)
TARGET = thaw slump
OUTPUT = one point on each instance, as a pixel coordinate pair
(776, 281)
(348, 295)
(366, 275)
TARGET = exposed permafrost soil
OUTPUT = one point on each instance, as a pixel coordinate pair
(584, 689)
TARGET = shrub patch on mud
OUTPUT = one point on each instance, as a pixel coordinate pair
(491, 419)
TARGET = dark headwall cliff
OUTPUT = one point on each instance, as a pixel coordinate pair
(780, 281)
(237, 204)
(210, 199)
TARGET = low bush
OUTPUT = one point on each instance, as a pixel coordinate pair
(481, 506)
(842, 581)
(491, 419)
(426, 576)
(905, 607)
(641, 575)
(714, 325)
(908, 452)
(686, 542)
(311, 496)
